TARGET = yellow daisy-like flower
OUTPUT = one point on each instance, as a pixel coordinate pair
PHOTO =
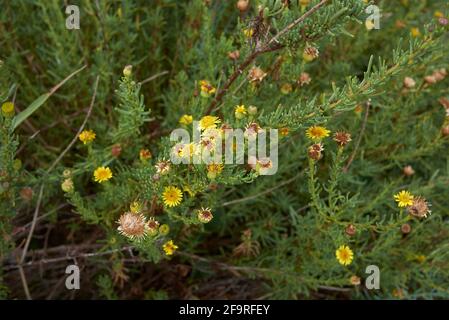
(248, 32)
(8, 108)
(102, 174)
(404, 199)
(172, 196)
(316, 133)
(344, 255)
(135, 207)
(415, 32)
(214, 169)
(206, 88)
(87, 136)
(209, 122)
(169, 247)
(240, 111)
(438, 14)
(186, 119)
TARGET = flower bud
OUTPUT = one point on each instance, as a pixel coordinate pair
(128, 70)
(67, 185)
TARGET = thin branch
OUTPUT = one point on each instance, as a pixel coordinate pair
(157, 75)
(359, 139)
(263, 192)
(270, 46)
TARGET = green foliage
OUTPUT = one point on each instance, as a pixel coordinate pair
(282, 229)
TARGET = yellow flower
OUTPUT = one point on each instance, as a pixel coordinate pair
(135, 207)
(186, 119)
(404, 198)
(240, 111)
(8, 108)
(87, 136)
(213, 170)
(169, 247)
(172, 196)
(209, 122)
(102, 174)
(144, 155)
(344, 255)
(438, 14)
(415, 32)
(284, 131)
(316, 133)
(248, 32)
(206, 88)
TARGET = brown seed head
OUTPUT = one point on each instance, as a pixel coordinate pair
(342, 138)
(419, 208)
(408, 171)
(350, 230)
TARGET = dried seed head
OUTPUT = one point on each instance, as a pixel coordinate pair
(26, 193)
(243, 5)
(256, 74)
(406, 228)
(234, 55)
(409, 82)
(205, 215)
(116, 150)
(419, 208)
(430, 79)
(350, 230)
(162, 167)
(342, 138)
(408, 171)
(315, 151)
(153, 226)
(310, 53)
(304, 79)
(132, 225)
(355, 281)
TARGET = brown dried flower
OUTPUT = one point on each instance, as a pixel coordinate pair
(315, 151)
(342, 138)
(409, 82)
(408, 171)
(419, 208)
(350, 230)
(132, 225)
(406, 228)
(256, 74)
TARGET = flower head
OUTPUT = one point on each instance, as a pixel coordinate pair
(240, 111)
(214, 169)
(169, 247)
(207, 122)
(162, 167)
(131, 225)
(342, 138)
(316, 133)
(310, 53)
(87, 136)
(419, 208)
(186, 119)
(152, 226)
(144, 155)
(206, 88)
(344, 255)
(256, 74)
(102, 174)
(404, 199)
(8, 108)
(135, 207)
(172, 196)
(67, 185)
(204, 215)
(315, 151)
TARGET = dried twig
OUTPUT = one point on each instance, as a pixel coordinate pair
(269, 46)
